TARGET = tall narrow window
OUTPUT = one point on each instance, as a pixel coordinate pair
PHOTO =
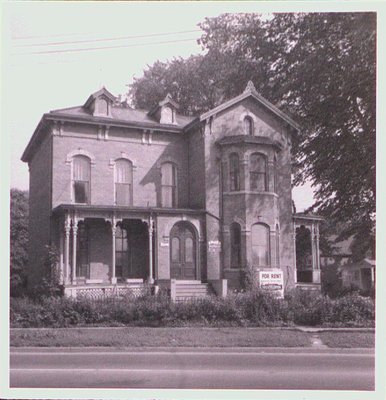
(258, 172)
(260, 245)
(81, 179)
(123, 183)
(248, 126)
(169, 185)
(275, 174)
(234, 172)
(235, 245)
(121, 252)
(277, 246)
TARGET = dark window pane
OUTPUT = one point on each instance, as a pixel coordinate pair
(234, 173)
(81, 192)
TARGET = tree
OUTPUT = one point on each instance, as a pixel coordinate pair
(19, 240)
(320, 67)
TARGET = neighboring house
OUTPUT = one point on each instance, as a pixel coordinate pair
(360, 274)
(340, 253)
(129, 196)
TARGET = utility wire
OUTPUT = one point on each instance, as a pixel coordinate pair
(106, 40)
(103, 48)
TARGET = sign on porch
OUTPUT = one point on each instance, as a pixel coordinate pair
(272, 281)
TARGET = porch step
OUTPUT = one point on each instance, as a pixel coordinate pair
(186, 290)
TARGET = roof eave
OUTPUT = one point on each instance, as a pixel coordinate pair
(26, 153)
(115, 122)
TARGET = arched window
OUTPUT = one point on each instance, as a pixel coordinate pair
(258, 172)
(248, 126)
(169, 185)
(81, 179)
(235, 232)
(260, 245)
(234, 172)
(123, 182)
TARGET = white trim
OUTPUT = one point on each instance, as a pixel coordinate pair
(79, 152)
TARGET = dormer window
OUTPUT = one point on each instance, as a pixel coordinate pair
(165, 111)
(101, 106)
(100, 103)
(167, 115)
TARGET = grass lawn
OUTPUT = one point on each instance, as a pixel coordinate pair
(346, 339)
(152, 337)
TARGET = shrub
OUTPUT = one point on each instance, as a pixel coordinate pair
(254, 308)
(352, 309)
(307, 307)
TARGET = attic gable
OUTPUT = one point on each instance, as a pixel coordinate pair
(250, 91)
(100, 103)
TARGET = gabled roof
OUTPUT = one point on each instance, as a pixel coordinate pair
(250, 91)
(100, 92)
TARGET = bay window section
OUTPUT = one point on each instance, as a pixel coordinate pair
(234, 172)
(258, 172)
(260, 245)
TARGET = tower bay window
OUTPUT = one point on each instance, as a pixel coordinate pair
(260, 245)
(258, 172)
(235, 235)
(234, 172)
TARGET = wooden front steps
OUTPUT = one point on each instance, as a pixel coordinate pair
(188, 290)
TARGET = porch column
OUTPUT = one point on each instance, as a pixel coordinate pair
(67, 229)
(113, 232)
(61, 256)
(295, 266)
(150, 226)
(317, 246)
(313, 247)
(74, 235)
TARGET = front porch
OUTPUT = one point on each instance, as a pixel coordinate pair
(307, 253)
(101, 249)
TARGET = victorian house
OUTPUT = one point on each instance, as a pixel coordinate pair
(178, 202)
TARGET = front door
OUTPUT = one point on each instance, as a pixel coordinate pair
(182, 252)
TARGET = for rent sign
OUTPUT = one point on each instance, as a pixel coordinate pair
(272, 281)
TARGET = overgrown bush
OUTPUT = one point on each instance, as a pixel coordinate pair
(251, 308)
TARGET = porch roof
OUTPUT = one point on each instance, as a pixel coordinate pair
(129, 211)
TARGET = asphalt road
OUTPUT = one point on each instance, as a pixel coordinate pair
(247, 368)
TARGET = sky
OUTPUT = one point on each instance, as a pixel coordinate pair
(57, 54)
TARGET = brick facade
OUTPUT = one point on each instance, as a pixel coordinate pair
(205, 208)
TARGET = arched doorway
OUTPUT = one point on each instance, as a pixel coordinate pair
(183, 260)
